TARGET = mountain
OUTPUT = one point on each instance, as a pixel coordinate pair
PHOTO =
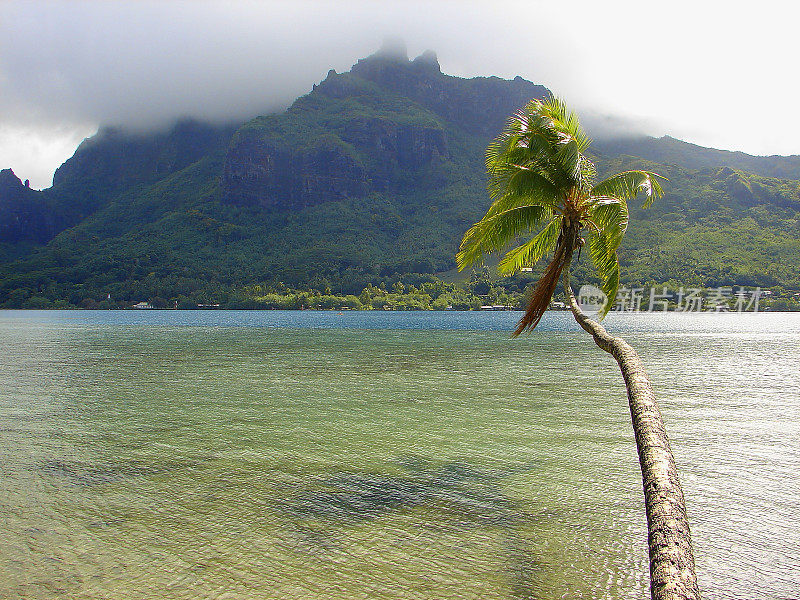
(366, 131)
(24, 215)
(372, 176)
(668, 150)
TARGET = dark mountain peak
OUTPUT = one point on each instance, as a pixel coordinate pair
(391, 63)
(362, 129)
(381, 67)
(23, 215)
(392, 56)
(478, 105)
(427, 60)
(115, 158)
(12, 190)
(8, 180)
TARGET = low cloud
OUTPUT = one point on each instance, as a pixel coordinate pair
(72, 66)
(142, 64)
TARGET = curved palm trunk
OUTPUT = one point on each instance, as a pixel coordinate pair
(672, 574)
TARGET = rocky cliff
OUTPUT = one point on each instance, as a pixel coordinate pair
(103, 166)
(262, 171)
(362, 130)
(114, 159)
(479, 105)
(24, 214)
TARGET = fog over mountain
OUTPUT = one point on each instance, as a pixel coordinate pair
(693, 71)
(370, 178)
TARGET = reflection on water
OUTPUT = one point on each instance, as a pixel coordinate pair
(233, 455)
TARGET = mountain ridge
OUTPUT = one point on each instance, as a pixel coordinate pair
(667, 149)
(375, 173)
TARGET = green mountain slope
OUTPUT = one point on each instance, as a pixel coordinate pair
(372, 176)
(668, 150)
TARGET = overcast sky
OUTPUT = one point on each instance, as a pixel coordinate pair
(720, 74)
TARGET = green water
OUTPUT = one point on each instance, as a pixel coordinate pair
(144, 461)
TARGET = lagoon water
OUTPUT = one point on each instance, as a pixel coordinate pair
(261, 455)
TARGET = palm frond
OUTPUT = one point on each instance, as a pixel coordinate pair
(610, 215)
(524, 187)
(588, 174)
(604, 257)
(495, 231)
(520, 180)
(529, 253)
(565, 121)
(533, 151)
(569, 158)
(544, 137)
(628, 184)
(538, 171)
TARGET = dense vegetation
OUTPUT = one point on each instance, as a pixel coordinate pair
(149, 217)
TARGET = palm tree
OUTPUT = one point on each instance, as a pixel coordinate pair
(540, 181)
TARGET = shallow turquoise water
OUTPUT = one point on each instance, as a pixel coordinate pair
(165, 454)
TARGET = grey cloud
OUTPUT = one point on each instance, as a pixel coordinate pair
(141, 64)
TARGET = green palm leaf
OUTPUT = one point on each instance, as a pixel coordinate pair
(495, 231)
(604, 257)
(610, 216)
(529, 253)
(543, 137)
(524, 188)
(565, 121)
(569, 158)
(628, 184)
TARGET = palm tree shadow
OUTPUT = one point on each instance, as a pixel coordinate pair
(462, 497)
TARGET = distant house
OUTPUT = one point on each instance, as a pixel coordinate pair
(143, 305)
